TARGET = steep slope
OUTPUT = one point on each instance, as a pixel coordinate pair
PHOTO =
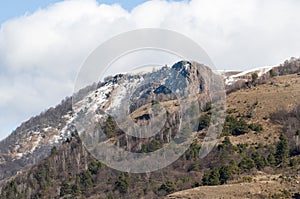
(259, 102)
(92, 103)
(248, 151)
(267, 104)
(275, 106)
(33, 140)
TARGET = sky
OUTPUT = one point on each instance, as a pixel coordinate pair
(14, 8)
(44, 43)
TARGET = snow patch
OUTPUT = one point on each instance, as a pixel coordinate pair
(36, 144)
(260, 72)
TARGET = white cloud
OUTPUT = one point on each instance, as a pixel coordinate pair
(40, 53)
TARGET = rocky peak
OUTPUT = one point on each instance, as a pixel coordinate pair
(33, 140)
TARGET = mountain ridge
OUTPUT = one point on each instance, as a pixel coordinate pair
(64, 111)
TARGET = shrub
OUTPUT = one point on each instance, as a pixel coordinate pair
(169, 187)
(247, 163)
(241, 147)
(226, 146)
(154, 145)
(272, 74)
(154, 102)
(54, 150)
(211, 178)
(86, 180)
(122, 184)
(207, 107)
(204, 122)
(247, 179)
(254, 77)
(110, 127)
(259, 161)
(75, 189)
(95, 166)
(236, 127)
(256, 127)
(194, 166)
(193, 152)
(225, 174)
(196, 184)
(271, 160)
(65, 189)
(218, 176)
(11, 190)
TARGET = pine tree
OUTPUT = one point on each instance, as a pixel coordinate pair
(94, 167)
(271, 160)
(122, 184)
(214, 177)
(258, 160)
(110, 127)
(86, 180)
(205, 178)
(225, 174)
(65, 188)
(282, 150)
(247, 163)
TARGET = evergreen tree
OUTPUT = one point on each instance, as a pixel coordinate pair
(247, 163)
(271, 160)
(86, 180)
(225, 174)
(75, 189)
(282, 150)
(194, 166)
(65, 189)
(258, 160)
(214, 177)
(94, 167)
(122, 184)
(110, 127)
(169, 187)
(254, 77)
(234, 167)
(205, 178)
(203, 122)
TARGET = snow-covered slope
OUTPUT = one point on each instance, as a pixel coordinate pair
(34, 139)
(246, 75)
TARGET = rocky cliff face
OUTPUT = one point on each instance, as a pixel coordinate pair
(34, 139)
(71, 171)
(96, 109)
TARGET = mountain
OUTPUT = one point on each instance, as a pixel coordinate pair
(47, 156)
(274, 106)
(33, 140)
(236, 80)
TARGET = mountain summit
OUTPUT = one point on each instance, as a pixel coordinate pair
(56, 154)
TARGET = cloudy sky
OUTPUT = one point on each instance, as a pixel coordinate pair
(44, 43)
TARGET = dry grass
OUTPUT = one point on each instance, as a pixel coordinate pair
(278, 93)
(263, 186)
(282, 92)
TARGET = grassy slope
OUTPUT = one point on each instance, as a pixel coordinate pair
(278, 93)
(282, 92)
(269, 98)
